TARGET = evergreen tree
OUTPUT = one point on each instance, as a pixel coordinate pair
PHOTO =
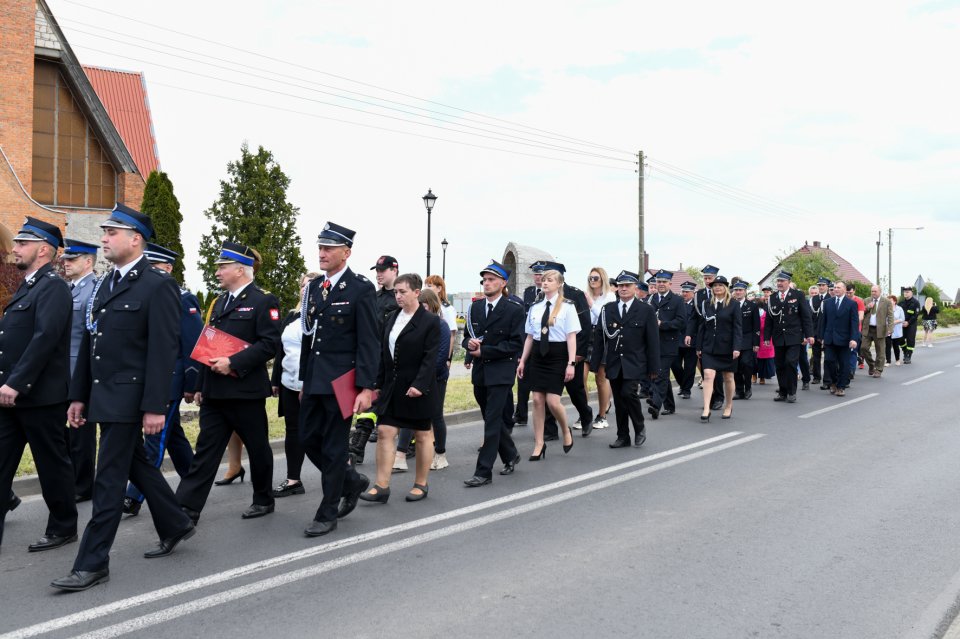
(162, 206)
(252, 209)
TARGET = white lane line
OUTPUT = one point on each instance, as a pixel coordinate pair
(175, 612)
(240, 571)
(920, 379)
(836, 406)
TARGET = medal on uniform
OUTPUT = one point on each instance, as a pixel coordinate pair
(325, 290)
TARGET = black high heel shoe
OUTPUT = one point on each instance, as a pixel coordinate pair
(567, 449)
(727, 416)
(542, 455)
(705, 418)
(229, 480)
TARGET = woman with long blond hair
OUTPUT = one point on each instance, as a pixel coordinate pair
(718, 343)
(599, 292)
(549, 358)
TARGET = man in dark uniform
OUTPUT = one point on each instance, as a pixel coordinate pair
(341, 335)
(531, 295)
(911, 318)
(746, 364)
(494, 340)
(816, 307)
(628, 345)
(790, 327)
(172, 438)
(34, 375)
(232, 390)
(575, 387)
(122, 382)
(672, 322)
(685, 365)
(703, 297)
(387, 269)
(77, 260)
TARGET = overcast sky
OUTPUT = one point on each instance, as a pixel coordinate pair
(832, 120)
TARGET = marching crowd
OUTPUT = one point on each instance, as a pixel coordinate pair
(355, 363)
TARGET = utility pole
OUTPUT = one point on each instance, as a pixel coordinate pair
(879, 235)
(640, 271)
(890, 258)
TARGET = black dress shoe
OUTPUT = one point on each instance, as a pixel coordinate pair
(667, 411)
(286, 489)
(49, 542)
(349, 500)
(320, 528)
(639, 439)
(191, 513)
(82, 498)
(748, 394)
(791, 399)
(131, 506)
(654, 412)
(716, 405)
(815, 380)
(779, 398)
(257, 510)
(81, 580)
(621, 443)
(14, 502)
(824, 386)
(510, 466)
(551, 438)
(806, 386)
(685, 395)
(586, 428)
(476, 481)
(166, 546)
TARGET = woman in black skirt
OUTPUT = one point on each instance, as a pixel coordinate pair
(408, 387)
(549, 358)
(717, 343)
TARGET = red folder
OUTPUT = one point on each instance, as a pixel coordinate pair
(345, 389)
(216, 343)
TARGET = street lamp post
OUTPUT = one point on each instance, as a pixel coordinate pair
(444, 244)
(428, 201)
(890, 250)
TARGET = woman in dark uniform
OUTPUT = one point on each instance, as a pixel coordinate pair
(408, 383)
(717, 341)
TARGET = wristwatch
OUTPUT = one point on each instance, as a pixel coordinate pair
(574, 364)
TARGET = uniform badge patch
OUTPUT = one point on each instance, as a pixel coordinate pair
(274, 314)
(193, 311)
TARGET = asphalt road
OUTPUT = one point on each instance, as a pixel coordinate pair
(785, 521)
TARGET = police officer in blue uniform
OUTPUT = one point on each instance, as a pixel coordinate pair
(531, 295)
(493, 340)
(790, 327)
(172, 439)
(122, 382)
(78, 259)
(701, 299)
(685, 365)
(672, 322)
(34, 375)
(232, 391)
(746, 364)
(340, 334)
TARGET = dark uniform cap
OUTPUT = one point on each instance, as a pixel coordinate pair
(643, 286)
(627, 277)
(824, 280)
(688, 286)
(709, 269)
(663, 275)
(784, 275)
(554, 266)
(651, 280)
(157, 253)
(498, 269)
(236, 252)
(907, 288)
(76, 248)
(385, 262)
(720, 280)
(123, 217)
(767, 288)
(539, 266)
(740, 284)
(335, 235)
(35, 230)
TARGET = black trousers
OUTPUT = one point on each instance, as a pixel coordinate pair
(910, 340)
(493, 401)
(786, 359)
(219, 419)
(804, 364)
(684, 368)
(82, 446)
(893, 348)
(626, 398)
(292, 448)
(837, 360)
(578, 397)
(325, 436)
(121, 456)
(42, 428)
(662, 395)
(816, 361)
(745, 367)
(523, 400)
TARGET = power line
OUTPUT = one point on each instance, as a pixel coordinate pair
(694, 187)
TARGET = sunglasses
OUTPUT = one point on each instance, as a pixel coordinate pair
(594, 278)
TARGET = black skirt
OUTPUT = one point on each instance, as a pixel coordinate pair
(719, 363)
(544, 373)
(391, 419)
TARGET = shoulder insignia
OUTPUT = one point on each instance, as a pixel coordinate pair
(361, 277)
(52, 274)
(574, 288)
(513, 301)
(568, 300)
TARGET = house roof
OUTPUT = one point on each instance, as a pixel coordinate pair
(679, 277)
(124, 95)
(846, 272)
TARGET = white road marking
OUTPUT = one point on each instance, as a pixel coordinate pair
(174, 612)
(920, 379)
(836, 406)
(266, 564)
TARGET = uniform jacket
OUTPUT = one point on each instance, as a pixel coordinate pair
(687, 313)
(253, 317)
(531, 295)
(191, 323)
(816, 302)
(35, 340)
(503, 336)
(81, 293)
(634, 351)
(911, 312)
(347, 334)
(673, 322)
(386, 305)
(413, 363)
(884, 316)
(788, 322)
(721, 331)
(695, 319)
(579, 300)
(749, 325)
(838, 326)
(124, 367)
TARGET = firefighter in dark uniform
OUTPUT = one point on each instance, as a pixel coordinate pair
(746, 364)
(531, 295)
(790, 327)
(387, 269)
(575, 387)
(122, 382)
(671, 322)
(911, 313)
(34, 376)
(340, 334)
(816, 306)
(628, 345)
(685, 365)
(701, 299)
(232, 391)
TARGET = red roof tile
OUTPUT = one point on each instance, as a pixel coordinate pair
(124, 95)
(846, 272)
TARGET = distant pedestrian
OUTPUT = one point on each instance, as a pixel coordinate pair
(911, 319)
(929, 318)
(895, 340)
(598, 294)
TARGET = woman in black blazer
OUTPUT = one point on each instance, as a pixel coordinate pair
(718, 341)
(408, 387)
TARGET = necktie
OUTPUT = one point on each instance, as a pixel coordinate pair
(709, 293)
(838, 303)
(782, 295)
(229, 301)
(623, 313)
(72, 286)
(545, 330)
(489, 308)
(115, 280)
(873, 311)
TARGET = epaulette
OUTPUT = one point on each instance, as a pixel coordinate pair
(361, 277)
(53, 275)
(569, 301)
(513, 301)
(574, 288)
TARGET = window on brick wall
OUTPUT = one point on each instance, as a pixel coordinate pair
(69, 165)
